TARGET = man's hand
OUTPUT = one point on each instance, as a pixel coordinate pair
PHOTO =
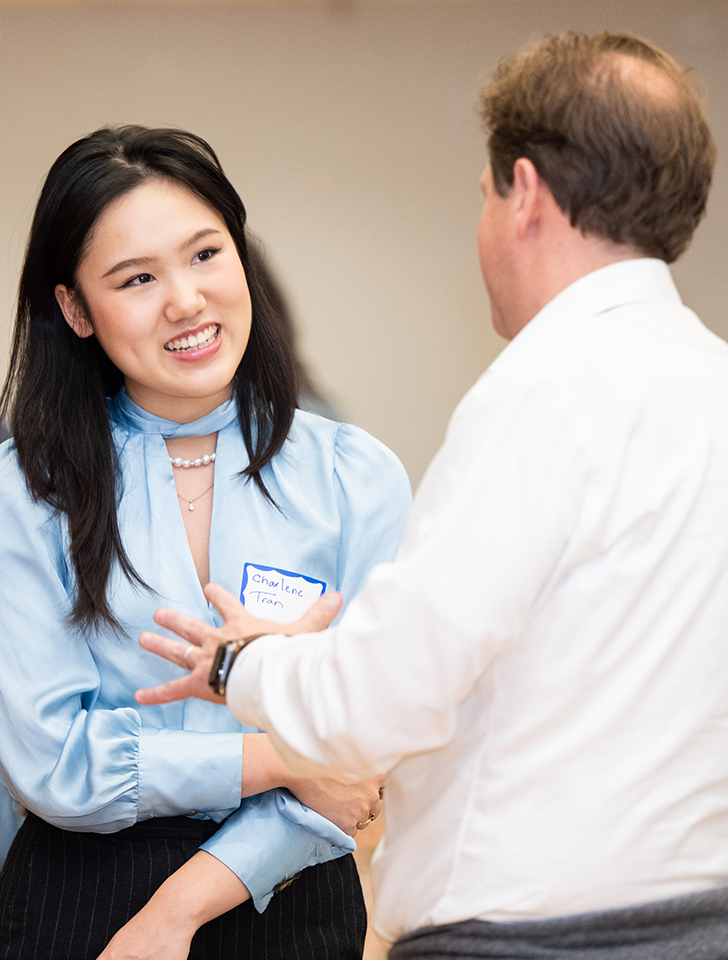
(198, 653)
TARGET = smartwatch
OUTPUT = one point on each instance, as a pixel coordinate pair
(225, 657)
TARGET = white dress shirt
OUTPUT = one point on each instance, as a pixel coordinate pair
(543, 671)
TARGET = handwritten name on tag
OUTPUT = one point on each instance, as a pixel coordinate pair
(278, 594)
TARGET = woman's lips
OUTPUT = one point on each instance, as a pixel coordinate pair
(194, 342)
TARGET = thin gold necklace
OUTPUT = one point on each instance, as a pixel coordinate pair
(192, 501)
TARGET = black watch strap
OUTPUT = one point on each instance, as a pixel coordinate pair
(225, 657)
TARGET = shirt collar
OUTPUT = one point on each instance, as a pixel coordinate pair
(643, 280)
(125, 412)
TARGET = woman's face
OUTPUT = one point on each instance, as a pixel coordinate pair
(167, 298)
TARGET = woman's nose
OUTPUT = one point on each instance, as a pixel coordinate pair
(185, 300)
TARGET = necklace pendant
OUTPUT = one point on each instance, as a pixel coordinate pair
(192, 506)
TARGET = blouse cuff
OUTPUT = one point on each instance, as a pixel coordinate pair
(271, 838)
(170, 787)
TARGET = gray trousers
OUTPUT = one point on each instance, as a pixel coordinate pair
(693, 927)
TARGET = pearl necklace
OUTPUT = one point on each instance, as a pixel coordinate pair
(199, 462)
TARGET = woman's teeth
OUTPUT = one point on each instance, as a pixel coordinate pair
(195, 342)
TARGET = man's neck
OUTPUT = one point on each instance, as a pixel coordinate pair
(566, 258)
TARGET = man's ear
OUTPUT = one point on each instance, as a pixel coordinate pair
(528, 188)
(73, 311)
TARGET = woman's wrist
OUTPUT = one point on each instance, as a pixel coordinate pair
(201, 890)
(263, 768)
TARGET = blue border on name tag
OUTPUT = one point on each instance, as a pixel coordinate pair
(284, 573)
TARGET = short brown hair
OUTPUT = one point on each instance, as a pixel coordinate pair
(615, 128)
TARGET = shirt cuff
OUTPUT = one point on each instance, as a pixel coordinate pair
(184, 771)
(243, 693)
(271, 838)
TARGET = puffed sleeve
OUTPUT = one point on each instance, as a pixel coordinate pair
(374, 497)
(63, 755)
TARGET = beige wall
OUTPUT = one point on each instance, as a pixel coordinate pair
(350, 132)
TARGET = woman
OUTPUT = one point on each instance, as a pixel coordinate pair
(156, 447)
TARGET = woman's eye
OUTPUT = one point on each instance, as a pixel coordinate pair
(207, 254)
(139, 280)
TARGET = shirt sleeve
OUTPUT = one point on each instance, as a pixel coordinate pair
(271, 838)
(63, 754)
(490, 526)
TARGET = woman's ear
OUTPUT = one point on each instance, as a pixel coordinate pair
(73, 311)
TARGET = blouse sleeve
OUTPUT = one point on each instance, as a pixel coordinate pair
(63, 753)
(10, 821)
(374, 497)
(271, 838)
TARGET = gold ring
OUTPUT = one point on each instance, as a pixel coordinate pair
(363, 823)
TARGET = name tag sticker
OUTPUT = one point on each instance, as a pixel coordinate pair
(278, 594)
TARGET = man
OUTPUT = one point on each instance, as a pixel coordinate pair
(543, 672)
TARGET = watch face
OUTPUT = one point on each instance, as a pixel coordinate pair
(224, 659)
(222, 665)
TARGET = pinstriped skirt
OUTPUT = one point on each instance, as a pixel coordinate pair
(63, 896)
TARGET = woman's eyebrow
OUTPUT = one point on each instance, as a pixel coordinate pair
(146, 261)
(206, 232)
(133, 262)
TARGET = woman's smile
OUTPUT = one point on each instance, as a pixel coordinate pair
(196, 345)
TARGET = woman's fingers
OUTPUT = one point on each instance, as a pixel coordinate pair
(376, 786)
(374, 811)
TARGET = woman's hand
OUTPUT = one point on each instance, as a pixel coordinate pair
(198, 653)
(350, 805)
(202, 889)
(149, 935)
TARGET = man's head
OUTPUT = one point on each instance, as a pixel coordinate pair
(614, 128)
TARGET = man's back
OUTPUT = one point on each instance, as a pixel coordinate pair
(590, 609)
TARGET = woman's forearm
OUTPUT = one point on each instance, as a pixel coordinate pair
(263, 768)
(341, 800)
(202, 889)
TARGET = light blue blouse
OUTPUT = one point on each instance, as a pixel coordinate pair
(75, 747)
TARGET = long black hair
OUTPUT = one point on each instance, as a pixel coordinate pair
(54, 396)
